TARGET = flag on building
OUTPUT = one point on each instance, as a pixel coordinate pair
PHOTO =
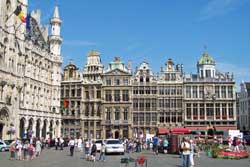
(20, 14)
(65, 105)
(28, 26)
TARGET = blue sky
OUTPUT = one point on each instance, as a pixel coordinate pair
(155, 30)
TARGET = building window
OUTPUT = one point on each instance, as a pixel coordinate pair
(79, 92)
(62, 92)
(195, 93)
(135, 118)
(208, 73)
(141, 79)
(117, 81)
(188, 110)
(224, 111)
(173, 90)
(98, 94)
(179, 90)
(167, 103)
(108, 81)
(87, 110)
(147, 90)
(108, 95)
(179, 117)
(141, 104)
(167, 117)
(201, 91)
(135, 104)
(154, 117)
(188, 91)
(117, 113)
(173, 77)
(202, 111)
(125, 113)
(195, 111)
(67, 93)
(153, 104)
(72, 92)
(135, 91)
(147, 79)
(141, 118)
(179, 103)
(173, 119)
(230, 110)
(125, 81)
(117, 95)
(125, 95)
(87, 94)
(223, 91)
(210, 110)
(141, 90)
(108, 114)
(217, 91)
(161, 103)
(217, 110)
(161, 117)
(148, 118)
(147, 104)
(153, 90)
(230, 92)
(161, 90)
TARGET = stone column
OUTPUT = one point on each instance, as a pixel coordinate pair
(94, 130)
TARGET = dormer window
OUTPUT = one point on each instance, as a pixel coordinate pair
(141, 79)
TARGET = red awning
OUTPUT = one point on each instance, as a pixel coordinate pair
(163, 131)
(196, 127)
(225, 128)
(180, 130)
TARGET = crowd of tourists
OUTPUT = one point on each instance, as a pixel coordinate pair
(26, 149)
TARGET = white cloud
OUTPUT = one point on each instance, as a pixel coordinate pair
(219, 7)
(79, 43)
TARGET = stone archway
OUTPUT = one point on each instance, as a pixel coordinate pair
(4, 118)
(30, 130)
(57, 129)
(38, 124)
(21, 128)
(51, 130)
(44, 130)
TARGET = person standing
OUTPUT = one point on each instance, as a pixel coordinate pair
(19, 150)
(12, 150)
(185, 146)
(102, 152)
(87, 148)
(56, 142)
(192, 146)
(61, 141)
(79, 144)
(71, 146)
(165, 146)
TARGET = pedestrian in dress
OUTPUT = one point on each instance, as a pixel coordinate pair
(12, 150)
(38, 147)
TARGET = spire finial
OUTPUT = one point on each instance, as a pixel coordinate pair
(56, 13)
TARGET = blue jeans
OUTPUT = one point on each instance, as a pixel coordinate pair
(102, 156)
(186, 160)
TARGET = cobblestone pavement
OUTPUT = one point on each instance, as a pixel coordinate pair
(53, 158)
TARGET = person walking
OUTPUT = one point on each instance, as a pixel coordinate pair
(93, 151)
(71, 146)
(102, 152)
(155, 144)
(185, 146)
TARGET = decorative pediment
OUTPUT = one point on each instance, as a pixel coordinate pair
(116, 72)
